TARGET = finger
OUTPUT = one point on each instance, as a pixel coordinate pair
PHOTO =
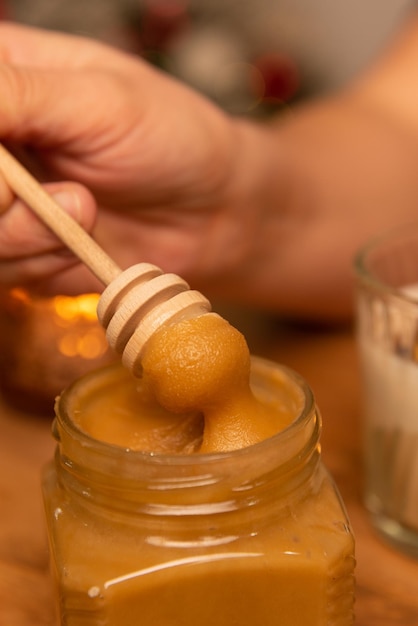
(71, 280)
(23, 235)
(31, 270)
(35, 47)
(39, 104)
(50, 274)
(63, 114)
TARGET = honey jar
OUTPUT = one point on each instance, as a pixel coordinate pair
(253, 536)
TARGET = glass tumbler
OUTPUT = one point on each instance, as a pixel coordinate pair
(387, 330)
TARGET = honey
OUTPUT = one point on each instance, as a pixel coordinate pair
(248, 536)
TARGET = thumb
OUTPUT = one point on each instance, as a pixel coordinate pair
(76, 200)
(23, 234)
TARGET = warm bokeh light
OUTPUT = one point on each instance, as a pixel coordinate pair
(71, 323)
(46, 343)
(88, 345)
(77, 318)
(71, 308)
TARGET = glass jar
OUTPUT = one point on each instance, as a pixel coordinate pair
(249, 537)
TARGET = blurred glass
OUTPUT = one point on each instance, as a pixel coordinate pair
(387, 316)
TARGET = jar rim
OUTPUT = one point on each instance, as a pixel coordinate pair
(307, 409)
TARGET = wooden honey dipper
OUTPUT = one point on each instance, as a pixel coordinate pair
(137, 301)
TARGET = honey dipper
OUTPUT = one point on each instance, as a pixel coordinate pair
(135, 302)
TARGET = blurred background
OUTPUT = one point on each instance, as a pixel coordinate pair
(250, 56)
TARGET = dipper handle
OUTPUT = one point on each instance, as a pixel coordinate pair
(137, 301)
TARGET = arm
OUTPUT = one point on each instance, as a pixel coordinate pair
(346, 170)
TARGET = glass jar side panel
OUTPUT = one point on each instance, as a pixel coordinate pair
(295, 569)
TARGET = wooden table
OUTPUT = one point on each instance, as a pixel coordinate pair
(387, 581)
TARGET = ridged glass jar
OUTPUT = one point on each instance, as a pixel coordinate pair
(255, 536)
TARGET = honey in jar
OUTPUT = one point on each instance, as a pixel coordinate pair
(177, 536)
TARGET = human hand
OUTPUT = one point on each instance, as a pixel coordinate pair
(263, 214)
(155, 157)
